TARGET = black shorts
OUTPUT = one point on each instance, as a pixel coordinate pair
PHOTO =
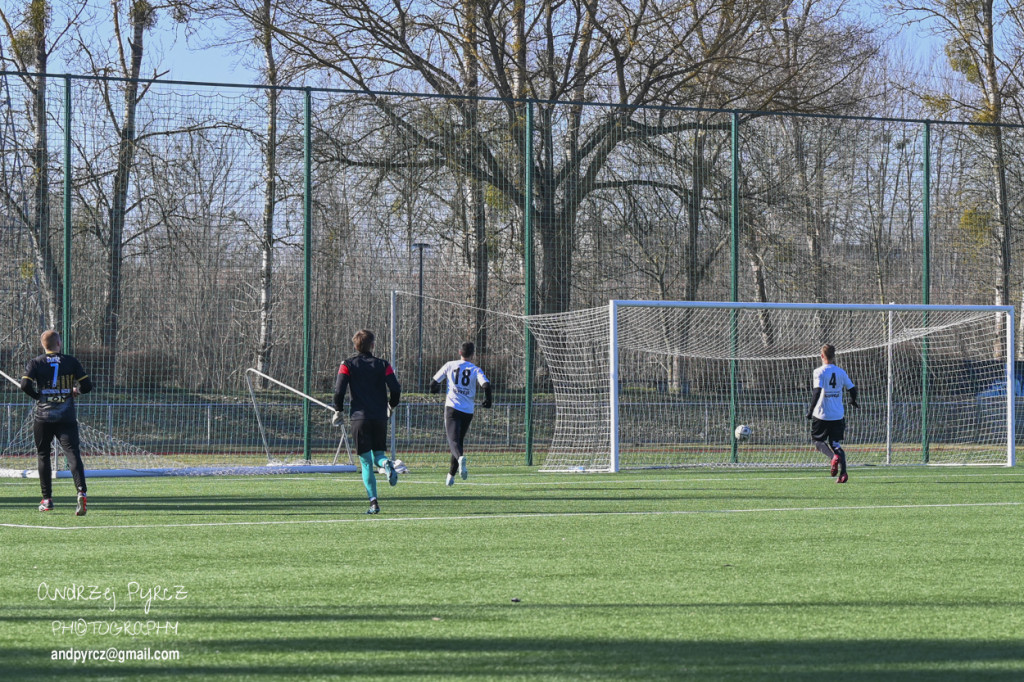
(828, 431)
(369, 434)
(65, 432)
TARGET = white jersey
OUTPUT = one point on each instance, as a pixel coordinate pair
(463, 378)
(831, 379)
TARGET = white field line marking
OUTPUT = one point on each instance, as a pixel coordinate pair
(730, 477)
(692, 512)
(862, 477)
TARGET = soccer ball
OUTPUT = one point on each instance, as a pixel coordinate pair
(742, 432)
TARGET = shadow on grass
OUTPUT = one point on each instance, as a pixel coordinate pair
(416, 658)
(331, 505)
(203, 505)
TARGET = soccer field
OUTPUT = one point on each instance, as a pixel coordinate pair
(903, 573)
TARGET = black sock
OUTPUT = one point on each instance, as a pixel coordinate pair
(842, 458)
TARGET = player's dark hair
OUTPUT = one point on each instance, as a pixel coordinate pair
(829, 351)
(467, 349)
(50, 340)
(363, 340)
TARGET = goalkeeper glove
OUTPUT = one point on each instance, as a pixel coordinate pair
(336, 419)
(853, 403)
(487, 403)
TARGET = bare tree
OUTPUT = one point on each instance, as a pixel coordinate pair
(636, 54)
(249, 24)
(119, 54)
(141, 17)
(970, 30)
(32, 42)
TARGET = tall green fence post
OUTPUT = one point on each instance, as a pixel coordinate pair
(307, 249)
(528, 277)
(734, 282)
(66, 297)
(926, 284)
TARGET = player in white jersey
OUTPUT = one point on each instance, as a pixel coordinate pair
(826, 413)
(463, 377)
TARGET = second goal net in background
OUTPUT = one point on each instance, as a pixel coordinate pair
(105, 452)
(661, 384)
(296, 429)
(424, 334)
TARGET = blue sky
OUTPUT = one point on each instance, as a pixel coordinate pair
(186, 59)
(168, 50)
(191, 63)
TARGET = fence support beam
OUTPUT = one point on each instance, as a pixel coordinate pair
(926, 284)
(528, 278)
(66, 297)
(307, 250)
(734, 278)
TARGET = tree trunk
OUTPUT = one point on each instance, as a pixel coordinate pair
(476, 208)
(693, 270)
(557, 243)
(554, 230)
(266, 331)
(119, 201)
(748, 236)
(46, 267)
(812, 226)
(481, 259)
(995, 115)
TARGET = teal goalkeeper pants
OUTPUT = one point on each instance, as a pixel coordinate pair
(370, 461)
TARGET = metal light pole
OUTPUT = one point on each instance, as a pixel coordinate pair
(419, 336)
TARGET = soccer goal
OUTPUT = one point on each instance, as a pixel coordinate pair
(106, 453)
(270, 436)
(426, 332)
(665, 384)
(292, 438)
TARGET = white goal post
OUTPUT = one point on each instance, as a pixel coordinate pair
(279, 420)
(666, 383)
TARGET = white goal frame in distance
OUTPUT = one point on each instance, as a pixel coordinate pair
(343, 442)
(613, 341)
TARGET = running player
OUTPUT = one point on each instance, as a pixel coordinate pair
(828, 422)
(462, 377)
(53, 380)
(370, 379)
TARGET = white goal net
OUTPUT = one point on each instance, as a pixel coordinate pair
(424, 334)
(662, 384)
(278, 430)
(18, 447)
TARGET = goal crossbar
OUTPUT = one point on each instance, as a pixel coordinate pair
(749, 305)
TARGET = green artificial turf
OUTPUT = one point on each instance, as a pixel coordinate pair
(909, 573)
